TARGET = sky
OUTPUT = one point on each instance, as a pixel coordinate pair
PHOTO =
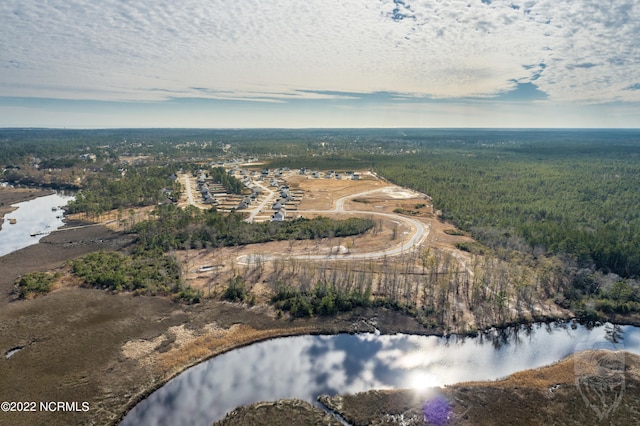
(319, 63)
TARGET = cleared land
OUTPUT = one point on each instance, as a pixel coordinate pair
(138, 343)
(78, 344)
(409, 245)
(370, 197)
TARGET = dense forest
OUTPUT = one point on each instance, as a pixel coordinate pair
(568, 192)
(537, 198)
(135, 187)
(566, 198)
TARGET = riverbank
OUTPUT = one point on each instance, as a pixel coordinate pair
(9, 196)
(112, 351)
(78, 344)
(587, 388)
(574, 390)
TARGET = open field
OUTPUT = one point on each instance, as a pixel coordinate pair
(408, 240)
(210, 269)
(556, 213)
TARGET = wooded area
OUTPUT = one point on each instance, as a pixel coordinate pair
(175, 228)
(558, 203)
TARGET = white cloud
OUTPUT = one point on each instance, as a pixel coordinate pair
(285, 49)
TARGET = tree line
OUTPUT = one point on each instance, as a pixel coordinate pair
(175, 228)
(220, 176)
(585, 205)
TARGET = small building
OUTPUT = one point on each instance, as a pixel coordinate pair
(279, 215)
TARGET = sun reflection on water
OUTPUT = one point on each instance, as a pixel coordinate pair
(421, 380)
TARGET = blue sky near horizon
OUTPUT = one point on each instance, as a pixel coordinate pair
(283, 63)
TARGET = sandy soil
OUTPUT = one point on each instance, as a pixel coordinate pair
(79, 344)
(321, 196)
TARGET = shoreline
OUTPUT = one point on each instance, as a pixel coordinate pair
(270, 334)
(327, 331)
(325, 328)
(11, 196)
(55, 331)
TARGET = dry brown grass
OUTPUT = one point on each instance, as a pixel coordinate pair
(214, 341)
(283, 412)
(548, 395)
(321, 194)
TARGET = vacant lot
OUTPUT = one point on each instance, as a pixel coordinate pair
(78, 344)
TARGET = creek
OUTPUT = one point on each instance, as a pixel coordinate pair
(33, 220)
(305, 367)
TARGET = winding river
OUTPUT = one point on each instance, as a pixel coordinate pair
(307, 366)
(38, 216)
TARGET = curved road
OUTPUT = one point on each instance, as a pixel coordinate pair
(421, 232)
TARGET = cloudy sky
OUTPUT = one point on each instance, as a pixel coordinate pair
(320, 63)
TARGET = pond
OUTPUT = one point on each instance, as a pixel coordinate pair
(305, 367)
(35, 217)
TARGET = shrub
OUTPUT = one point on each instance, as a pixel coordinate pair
(35, 283)
(235, 291)
(189, 295)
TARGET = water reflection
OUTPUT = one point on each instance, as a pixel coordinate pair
(307, 366)
(36, 216)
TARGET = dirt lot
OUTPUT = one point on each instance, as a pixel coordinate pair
(78, 344)
(210, 270)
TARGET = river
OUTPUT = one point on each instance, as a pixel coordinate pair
(307, 366)
(35, 216)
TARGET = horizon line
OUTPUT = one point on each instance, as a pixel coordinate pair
(316, 128)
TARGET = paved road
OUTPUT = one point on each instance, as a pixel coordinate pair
(187, 185)
(420, 231)
(269, 199)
